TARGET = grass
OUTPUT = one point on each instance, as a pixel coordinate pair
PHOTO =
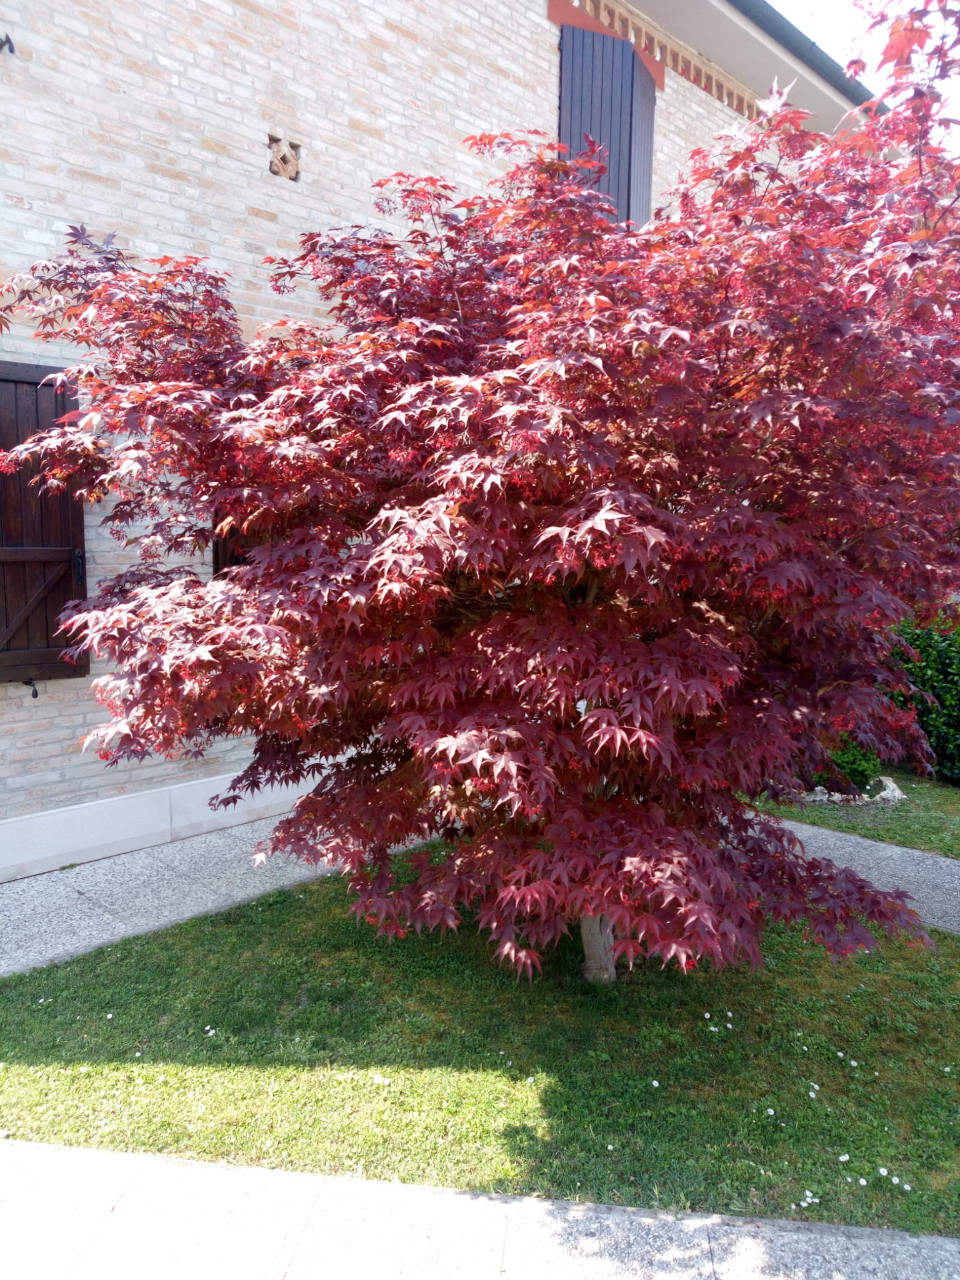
(928, 819)
(341, 1053)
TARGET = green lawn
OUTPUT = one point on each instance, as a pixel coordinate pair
(929, 818)
(337, 1052)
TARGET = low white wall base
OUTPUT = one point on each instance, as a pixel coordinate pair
(55, 838)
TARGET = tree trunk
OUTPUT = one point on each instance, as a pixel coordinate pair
(596, 933)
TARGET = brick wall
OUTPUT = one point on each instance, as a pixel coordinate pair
(687, 117)
(152, 119)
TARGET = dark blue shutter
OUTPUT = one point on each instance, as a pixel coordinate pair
(41, 537)
(607, 92)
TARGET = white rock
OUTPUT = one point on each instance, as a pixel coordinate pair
(817, 796)
(891, 793)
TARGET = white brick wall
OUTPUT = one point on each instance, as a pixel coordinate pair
(151, 119)
(686, 118)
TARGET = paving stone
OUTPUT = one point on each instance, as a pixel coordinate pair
(35, 898)
(31, 941)
(799, 1251)
(604, 1242)
(931, 879)
(166, 903)
(119, 1214)
(230, 847)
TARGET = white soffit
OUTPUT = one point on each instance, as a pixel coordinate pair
(717, 31)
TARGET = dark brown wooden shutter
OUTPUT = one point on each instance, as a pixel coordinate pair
(41, 538)
(607, 92)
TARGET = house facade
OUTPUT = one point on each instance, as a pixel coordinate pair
(225, 128)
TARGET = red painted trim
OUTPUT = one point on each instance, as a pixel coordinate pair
(653, 65)
(565, 14)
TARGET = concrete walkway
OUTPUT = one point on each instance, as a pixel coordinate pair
(931, 879)
(59, 914)
(73, 1214)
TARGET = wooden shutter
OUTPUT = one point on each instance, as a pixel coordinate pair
(41, 538)
(608, 93)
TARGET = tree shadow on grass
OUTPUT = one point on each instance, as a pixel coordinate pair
(336, 1051)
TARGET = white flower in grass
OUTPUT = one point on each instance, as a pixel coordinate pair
(502, 1052)
(714, 1028)
(882, 1173)
(815, 1085)
(609, 1146)
(655, 1083)
(706, 1015)
(844, 1159)
(529, 1079)
(849, 1179)
(854, 1062)
(907, 1187)
(839, 1054)
(812, 1094)
(770, 1111)
(895, 1181)
(729, 1026)
(805, 1049)
(862, 1181)
(109, 1016)
(729, 1014)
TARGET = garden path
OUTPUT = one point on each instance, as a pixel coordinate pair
(932, 880)
(120, 1214)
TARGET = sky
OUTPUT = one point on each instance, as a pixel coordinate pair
(839, 28)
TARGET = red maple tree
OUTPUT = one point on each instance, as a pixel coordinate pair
(565, 540)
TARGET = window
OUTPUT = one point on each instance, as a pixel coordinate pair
(41, 538)
(606, 91)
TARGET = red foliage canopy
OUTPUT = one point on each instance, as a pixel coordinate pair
(566, 536)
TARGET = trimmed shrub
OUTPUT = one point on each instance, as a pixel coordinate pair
(854, 763)
(938, 673)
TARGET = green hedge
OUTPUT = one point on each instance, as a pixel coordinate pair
(853, 762)
(938, 673)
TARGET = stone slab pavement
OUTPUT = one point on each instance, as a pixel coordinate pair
(75, 1214)
(932, 879)
(59, 914)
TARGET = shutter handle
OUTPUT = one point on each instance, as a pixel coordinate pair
(78, 566)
